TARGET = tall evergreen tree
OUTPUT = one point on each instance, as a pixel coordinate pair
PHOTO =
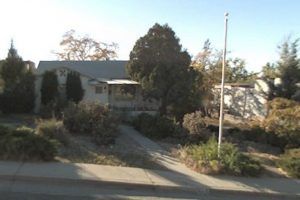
(49, 87)
(289, 69)
(159, 63)
(18, 95)
(74, 89)
(13, 67)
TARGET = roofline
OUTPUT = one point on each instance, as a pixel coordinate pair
(75, 61)
(65, 68)
(83, 61)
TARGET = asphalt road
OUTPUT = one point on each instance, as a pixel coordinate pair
(32, 190)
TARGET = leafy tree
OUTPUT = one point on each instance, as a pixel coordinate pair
(209, 62)
(158, 62)
(269, 71)
(203, 60)
(74, 89)
(49, 88)
(85, 48)
(237, 71)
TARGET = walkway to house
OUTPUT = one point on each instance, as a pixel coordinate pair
(244, 184)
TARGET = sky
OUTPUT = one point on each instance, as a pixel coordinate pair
(255, 27)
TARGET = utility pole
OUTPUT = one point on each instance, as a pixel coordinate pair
(222, 89)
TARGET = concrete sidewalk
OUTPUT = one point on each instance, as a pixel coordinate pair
(137, 178)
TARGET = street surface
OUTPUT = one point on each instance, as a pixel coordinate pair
(32, 190)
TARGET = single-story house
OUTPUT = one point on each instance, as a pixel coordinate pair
(102, 81)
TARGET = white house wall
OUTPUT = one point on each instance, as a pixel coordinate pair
(90, 94)
(243, 101)
(37, 89)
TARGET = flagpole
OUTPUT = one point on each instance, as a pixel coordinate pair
(222, 88)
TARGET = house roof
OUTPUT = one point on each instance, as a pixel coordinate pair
(112, 69)
(242, 85)
(121, 82)
(112, 81)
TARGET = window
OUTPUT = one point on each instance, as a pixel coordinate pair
(63, 72)
(125, 92)
(98, 90)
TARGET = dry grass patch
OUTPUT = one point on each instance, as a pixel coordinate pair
(124, 153)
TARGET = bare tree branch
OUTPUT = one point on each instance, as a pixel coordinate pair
(76, 47)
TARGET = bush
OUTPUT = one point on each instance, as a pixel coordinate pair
(54, 109)
(195, 125)
(290, 162)
(281, 103)
(18, 97)
(49, 87)
(156, 127)
(91, 119)
(74, 91)
(259, 135)
(23, 144)
(283, 120)
(53, 129)
(204, 158)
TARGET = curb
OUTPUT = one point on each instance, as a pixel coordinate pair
(253, 193)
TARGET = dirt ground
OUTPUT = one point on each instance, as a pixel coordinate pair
(124, 152)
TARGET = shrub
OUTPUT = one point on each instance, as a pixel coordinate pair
(259, 135)
(142, 120)
(74, 89)
(156, 127)
(91, 119)
(281, 103)
(204, 158)
(283, 120)
(49, 87)
(195, 125)
(53, 129)
(54, 109)
(4, 130)
(24, 144)
(18, 97)
(290, 162)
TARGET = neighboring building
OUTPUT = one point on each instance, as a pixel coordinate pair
(102, 81)
(29, 65)
(243, 99)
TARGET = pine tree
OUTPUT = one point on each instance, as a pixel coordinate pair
(162, 67)
(289, 69)
(18, 95)
(74, 89)
(13, 67)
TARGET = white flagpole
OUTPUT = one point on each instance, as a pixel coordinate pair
(222, 89)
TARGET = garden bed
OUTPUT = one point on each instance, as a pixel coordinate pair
(124, 152)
